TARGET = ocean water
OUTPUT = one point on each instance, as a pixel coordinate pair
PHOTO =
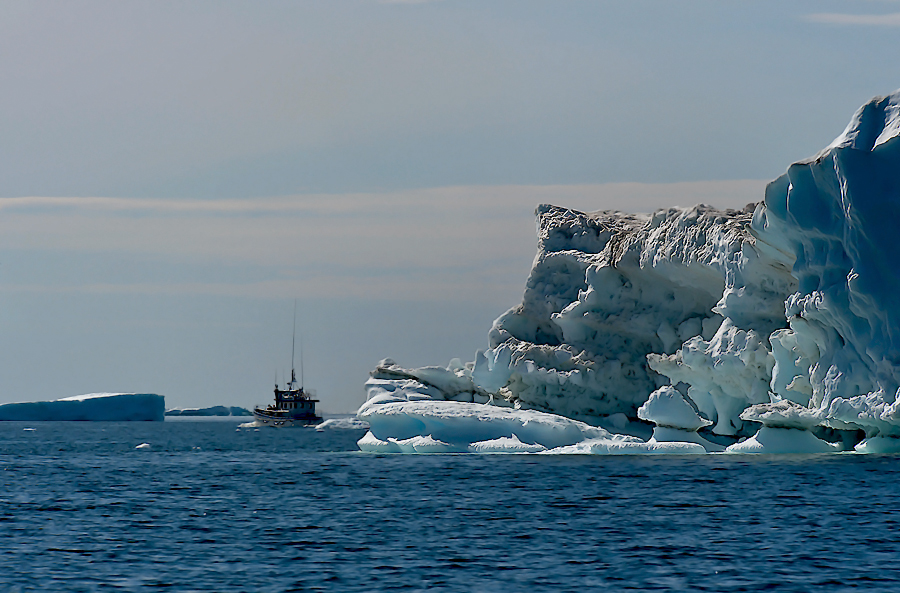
(211, 507)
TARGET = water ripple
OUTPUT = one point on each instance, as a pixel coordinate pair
(207, 508)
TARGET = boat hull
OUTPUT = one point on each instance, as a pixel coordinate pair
(284, 420)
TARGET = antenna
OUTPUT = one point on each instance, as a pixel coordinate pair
(301, 361)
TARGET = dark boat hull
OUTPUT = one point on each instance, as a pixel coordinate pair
(281, 419)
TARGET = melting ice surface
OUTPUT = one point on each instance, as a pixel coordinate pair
(107, 407)
(773, 329)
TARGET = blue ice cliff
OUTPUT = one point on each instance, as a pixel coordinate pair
(97, 407)
(777, 322)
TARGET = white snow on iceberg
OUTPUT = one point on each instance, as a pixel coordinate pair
(793, 299)
(97, 407)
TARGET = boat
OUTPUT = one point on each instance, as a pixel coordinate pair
(293, 405)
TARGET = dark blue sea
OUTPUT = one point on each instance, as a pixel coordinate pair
(211, 507)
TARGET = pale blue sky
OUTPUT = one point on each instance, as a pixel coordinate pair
(174, 174)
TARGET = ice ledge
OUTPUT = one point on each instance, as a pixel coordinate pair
(458, 427)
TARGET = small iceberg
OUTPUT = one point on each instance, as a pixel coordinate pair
(675, 418)
(210, 411)
(877, 414)
(785, 430)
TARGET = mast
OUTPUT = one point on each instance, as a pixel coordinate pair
(293, 342)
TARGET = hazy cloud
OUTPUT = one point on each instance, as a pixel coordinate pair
(455, 243)
(878, 20)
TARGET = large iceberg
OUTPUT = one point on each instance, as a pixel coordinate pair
(785, 310)
(97, 407)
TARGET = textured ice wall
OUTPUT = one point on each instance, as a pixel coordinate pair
(793, 299)
(839, 213)
(609, 289)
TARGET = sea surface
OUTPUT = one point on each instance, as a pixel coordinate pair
(209, 506)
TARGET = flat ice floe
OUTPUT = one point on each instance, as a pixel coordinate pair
(95, 407)
(765, 326)
(459, 427)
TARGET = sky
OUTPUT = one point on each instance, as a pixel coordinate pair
(175, 175)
